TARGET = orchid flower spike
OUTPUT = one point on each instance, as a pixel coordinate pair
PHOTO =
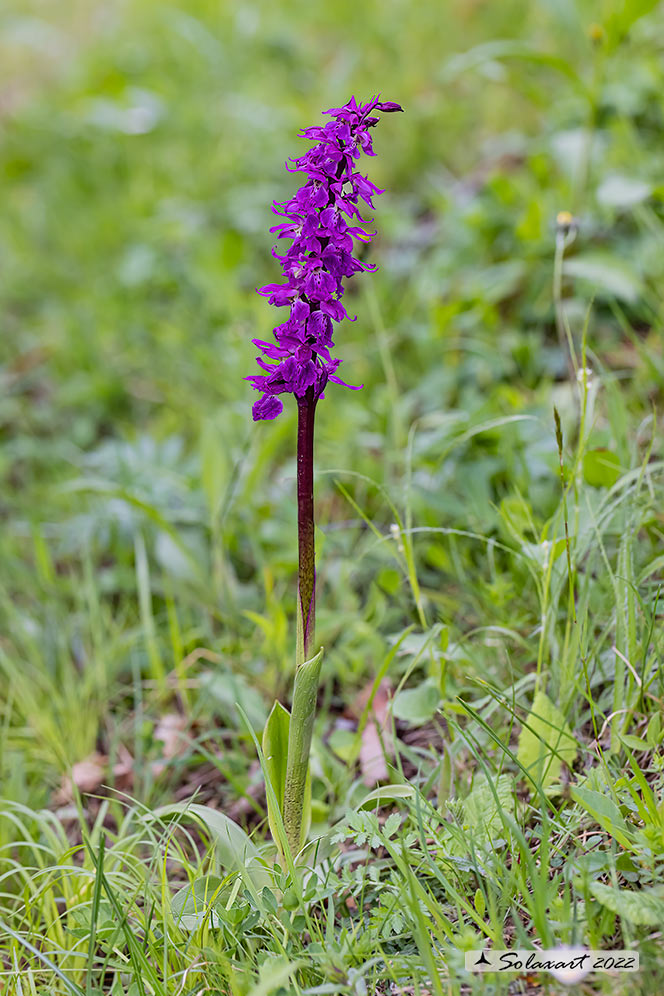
(323, 222)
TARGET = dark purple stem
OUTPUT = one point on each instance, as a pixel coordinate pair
(306, 409)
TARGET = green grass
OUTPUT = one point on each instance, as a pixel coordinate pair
(499, 578)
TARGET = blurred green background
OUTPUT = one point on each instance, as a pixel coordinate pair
(147, 525)
(143, 513)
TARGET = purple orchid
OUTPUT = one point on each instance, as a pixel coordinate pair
(319, 258)
(319, 221)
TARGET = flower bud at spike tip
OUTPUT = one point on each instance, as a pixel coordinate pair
(323, 222)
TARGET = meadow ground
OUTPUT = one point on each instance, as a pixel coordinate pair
(489, 578)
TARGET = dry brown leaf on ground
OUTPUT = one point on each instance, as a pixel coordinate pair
(376, 735)
(87, 775)
(123, 769)
(372, 758)
(170, 730)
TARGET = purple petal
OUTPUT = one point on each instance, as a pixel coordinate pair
(271, 349)
(306, 377)
(266, 407)
(299, 311)
(319, 325)
(338, 380)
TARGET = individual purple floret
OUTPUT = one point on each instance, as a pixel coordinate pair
(319, 257)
